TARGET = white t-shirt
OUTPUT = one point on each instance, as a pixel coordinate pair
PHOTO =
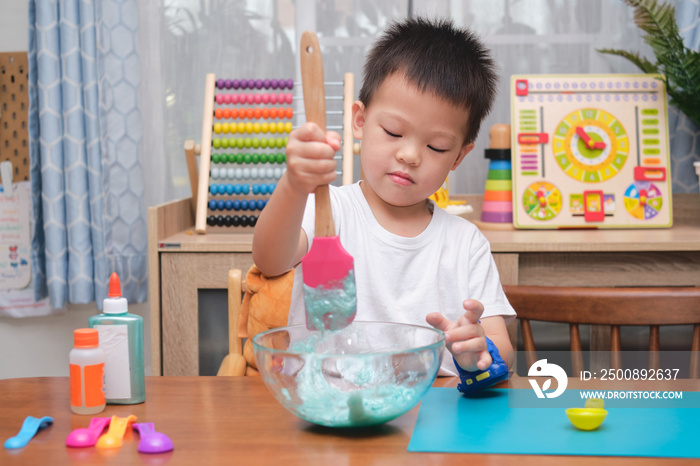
(401, 279)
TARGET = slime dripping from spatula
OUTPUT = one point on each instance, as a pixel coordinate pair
(332, 306)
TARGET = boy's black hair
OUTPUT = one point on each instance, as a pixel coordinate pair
(437, 57)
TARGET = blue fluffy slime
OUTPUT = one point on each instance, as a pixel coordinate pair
(332, 306)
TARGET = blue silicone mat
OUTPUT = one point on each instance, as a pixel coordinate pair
(451, 423)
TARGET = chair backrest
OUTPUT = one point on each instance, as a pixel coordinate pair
(652, 307)
(234, 363)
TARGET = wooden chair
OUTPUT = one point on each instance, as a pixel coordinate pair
(234, 364)
(615, 307)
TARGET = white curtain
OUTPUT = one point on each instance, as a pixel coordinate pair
(182, 40)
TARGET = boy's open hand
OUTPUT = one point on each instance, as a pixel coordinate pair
(310, 162)
(465, 338)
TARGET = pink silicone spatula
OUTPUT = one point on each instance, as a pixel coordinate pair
(328, 269)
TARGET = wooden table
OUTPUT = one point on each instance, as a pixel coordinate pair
(233, 420)
(182, 263)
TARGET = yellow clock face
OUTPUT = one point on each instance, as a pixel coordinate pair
(590, 145)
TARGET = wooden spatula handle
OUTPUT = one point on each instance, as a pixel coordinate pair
(315, 109)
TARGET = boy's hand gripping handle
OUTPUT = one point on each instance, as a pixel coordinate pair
(315, 108)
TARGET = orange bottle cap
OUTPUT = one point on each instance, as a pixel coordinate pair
(114, 303)
(85, 338)
(115, 289)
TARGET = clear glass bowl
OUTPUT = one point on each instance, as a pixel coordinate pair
(366, 374)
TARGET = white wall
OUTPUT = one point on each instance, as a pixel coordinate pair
(39, 346)
(13, 25)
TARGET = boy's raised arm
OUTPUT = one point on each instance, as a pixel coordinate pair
(279, 242)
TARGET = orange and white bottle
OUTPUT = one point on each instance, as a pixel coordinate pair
(87, 367)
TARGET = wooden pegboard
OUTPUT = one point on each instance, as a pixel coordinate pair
(14, 110)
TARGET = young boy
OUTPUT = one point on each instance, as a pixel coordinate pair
(427, 87)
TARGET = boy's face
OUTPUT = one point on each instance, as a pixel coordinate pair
(410, 141)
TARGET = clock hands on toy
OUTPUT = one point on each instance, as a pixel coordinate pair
(590, 143)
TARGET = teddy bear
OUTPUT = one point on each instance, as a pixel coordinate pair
(265, 305)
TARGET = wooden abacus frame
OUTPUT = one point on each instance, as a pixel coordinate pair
(200, 190)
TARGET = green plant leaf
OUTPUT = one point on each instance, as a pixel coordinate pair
(641, 62)
(680, 65)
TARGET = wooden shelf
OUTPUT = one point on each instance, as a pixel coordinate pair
(683, 236)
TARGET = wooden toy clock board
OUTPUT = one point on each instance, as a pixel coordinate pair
(590, 151)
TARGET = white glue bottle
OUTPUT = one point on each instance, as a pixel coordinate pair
(121, 338)
(87, 362)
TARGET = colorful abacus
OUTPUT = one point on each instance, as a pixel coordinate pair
(242, 154)
(255, 84)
